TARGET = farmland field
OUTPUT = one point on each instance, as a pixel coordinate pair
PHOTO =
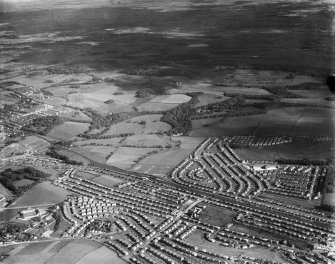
(65, 252)
(284, 121)
(42, 193)
(68, 130)
(152, 125)
(96, 153)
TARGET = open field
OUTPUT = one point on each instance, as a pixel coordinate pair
(152, 125)
(68, 130)
(161, 163)
(109, 141)
(284, 121)
(96, 153)
(66, 252)
(207, 98)
(107, 180)
(73, 155)
(256, 252)
(23, 182)
(42, 193)
(125, 157)
(145, 141)
(295, 150)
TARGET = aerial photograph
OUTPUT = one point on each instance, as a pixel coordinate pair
(167, 131)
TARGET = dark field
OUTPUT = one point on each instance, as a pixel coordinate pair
(285, 35)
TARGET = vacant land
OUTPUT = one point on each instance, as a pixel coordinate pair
(293, 121)
(161, 163)
(125, 157)
(296, 150)
(107, 180)
(42, 193)
(66, 252)
(140, 125)
(68, 130)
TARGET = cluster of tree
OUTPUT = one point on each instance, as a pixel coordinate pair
(62, 69)
(305, 162)
(231, 104)
(57, 221)
(281, 92)
(179, 117)
(52, 152)
(42, 125)
(8, 178)
(252, 96)
(14, 232)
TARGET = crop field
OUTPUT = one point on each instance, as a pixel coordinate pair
(34, 143)
(152, 125)
(145, 141)
(109, 141)
(295, 150)
(164, 161)
(96, 153)
(125, 157)
(41, 194)
(244, 90)
(256, 252)
(149, 106)
(73, 155)
(23, 182)
(284, 121)
(68, 130)
(206, 98)
(65, 252)
(107, 180)
(171, 99)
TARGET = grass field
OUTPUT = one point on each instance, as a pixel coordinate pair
(294, 150)
(107, 180)
(145, 141)
(207, 98)
(284, 121)
(68, 130)
(65, 252)
(42, 193)
(256, 252)
(161, 163)
(125, 157)
(152, 125)
(96, 153)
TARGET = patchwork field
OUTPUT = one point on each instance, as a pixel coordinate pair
(68, 130)
(125, 157)
(161, 163)
(149, 124)
(65, 252)
(41, 194)
(295, 150)
(96, 153)
(284, 121)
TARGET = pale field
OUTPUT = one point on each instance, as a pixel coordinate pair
(23, 182)
(102, 255)
(35, 143)
(148, 106)
(284, 121)
(68, 130)
(171, 99)
(328, 199)
(108, 141)
(153, 125)
(145, 141)
(96, 153)
(256, 252)
(244, 90)
(41, 194)
(125, 157)
(65, 252)
(76, 115)
(205, 99)
(86, 175)
(107, 180)
(161, 163)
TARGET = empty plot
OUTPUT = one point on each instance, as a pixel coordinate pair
(138, 125)
(68, 130)
(42, 193)
(102, 255)
(107, 180)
